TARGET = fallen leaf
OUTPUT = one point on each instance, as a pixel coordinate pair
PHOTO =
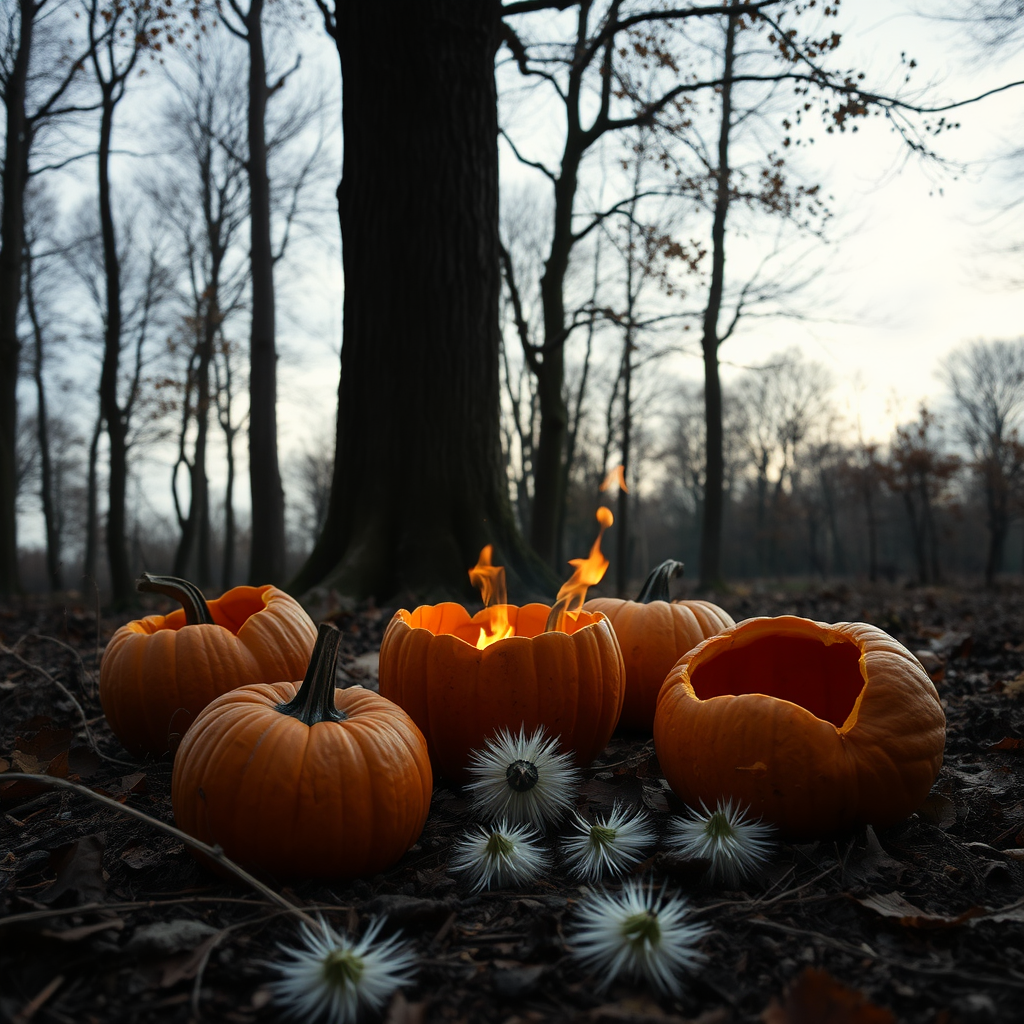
(401, 1011)
(815, 997)
(185, 966)
(79, 870)
(1008, 743)
(893, 905)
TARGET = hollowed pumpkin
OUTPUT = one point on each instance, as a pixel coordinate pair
(654, 633)
(816, 728)
(570, 682)
(304, 781)
(159, 672)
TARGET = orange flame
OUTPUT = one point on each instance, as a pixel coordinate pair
(616, 478)
(589, 571)
(490, 581)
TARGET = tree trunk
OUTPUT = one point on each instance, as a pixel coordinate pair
(117, 425)
(419, 485)
(267, 555)
(53, 570)
(714, 485)
(92, 501)
(12, 238)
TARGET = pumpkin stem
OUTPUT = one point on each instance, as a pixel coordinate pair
(315, 700)
(188, 595)
(655, 587)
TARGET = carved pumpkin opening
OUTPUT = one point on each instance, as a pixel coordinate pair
(823, 678)
(527, 621)
(231, 611)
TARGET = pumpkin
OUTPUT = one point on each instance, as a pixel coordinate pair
(815, 728)
(570, 681)
(654, 633)
(159, 672)
(304, 781)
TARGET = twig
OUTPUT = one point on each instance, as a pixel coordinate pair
(11, 652)
(213, 852)
(86, 674)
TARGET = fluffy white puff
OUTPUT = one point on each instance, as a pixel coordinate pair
(333, 979)
(610, 846)
(737, 846)
(522, 778)
(637, 933)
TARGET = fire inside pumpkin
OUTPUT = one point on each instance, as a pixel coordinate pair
(463, 677)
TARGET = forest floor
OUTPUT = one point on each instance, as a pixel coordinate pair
(103, 918)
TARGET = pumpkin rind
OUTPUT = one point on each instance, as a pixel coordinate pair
(333, 800)
(653, 637)
(158, 673)
(806, 775)
(569, 682)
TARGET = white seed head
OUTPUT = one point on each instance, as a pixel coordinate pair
(610, 846)
(506, 854)
(737, 846)
(522, 778)
(637, 933)
(333, 979)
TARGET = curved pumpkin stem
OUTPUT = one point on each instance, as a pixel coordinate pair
(315, 700)
(655, 587)
(188, 595)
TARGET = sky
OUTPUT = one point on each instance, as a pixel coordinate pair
(912, 270)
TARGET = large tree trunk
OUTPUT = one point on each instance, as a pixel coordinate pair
(714, 486)
(267, 557)
(419, 485)
(12, 236)
(117, 425)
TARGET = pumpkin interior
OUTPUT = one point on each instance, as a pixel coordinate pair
(230, 611)
(823, 678)
(528, 620)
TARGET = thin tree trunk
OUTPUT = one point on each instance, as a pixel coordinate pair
(12, 238)
(53, 569)
(267, 555)
(113, 414)
(714, 486)
(92, 501)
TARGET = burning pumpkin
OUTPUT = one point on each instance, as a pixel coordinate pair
(816, 728)
(462, 678)
(304, 781)
(159, 672)
(654, 634)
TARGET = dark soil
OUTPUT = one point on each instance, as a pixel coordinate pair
(923, 922)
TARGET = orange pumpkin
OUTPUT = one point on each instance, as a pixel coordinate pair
(816, 728)
(654, 634)
(304, 781)
(159, 672)
(569, 681)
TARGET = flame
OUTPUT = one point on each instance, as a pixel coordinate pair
(490, 581)
(616, 478)
(589, 571)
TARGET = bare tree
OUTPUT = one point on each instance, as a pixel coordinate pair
(920, 470)
(37, 78)
(986, 381)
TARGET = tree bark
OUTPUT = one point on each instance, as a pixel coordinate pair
(113, 414)
(267, 556)
(419, 485)
(12, 239)
(50, 515)
(714, 486)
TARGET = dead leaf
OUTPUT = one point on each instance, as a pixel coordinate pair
(893, 905)
(1015, 687)
(401, 1011)
(164, 938)
(185, 966)
(938, 810)
(815, 997)
(1008, 743)
(79, 871)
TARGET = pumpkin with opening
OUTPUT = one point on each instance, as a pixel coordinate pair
(463, 677)
(159, 672)
(816, 728)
